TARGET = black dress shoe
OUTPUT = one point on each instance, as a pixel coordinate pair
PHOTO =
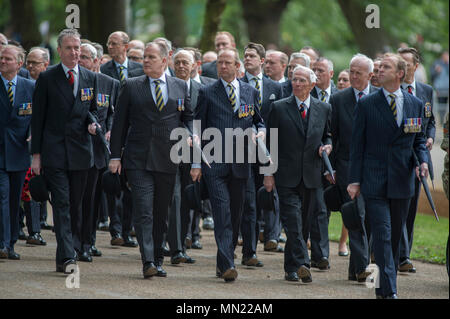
(65, 266)
(13, 255)
(188, 242)
(208, 223)
(412, 270)
(304, 274)
(393, 296)
(36, 239)
(196, 245)
(230, 274)
(129, 242)
(95, 252)
(322, 264)
(45, 226)
(189, 259)
(161, 272)
(252, 261)
(291, 276)
(22, 235)
(149, 270)
(166, 252)
(117, 240)
(85, 256)
(352, 277)
(405, 266)
(178, 258)
(3, 253)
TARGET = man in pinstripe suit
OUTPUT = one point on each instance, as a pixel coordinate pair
(387, 135)
(148, 109)
(223, 105)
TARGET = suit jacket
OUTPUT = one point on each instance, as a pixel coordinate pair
(333, 91)
(206, 80)
(271, 89)
(343, 105)
(286, 88)
(298, 147)
(381, 153)
(59, 123)
(143, 129)
(105, 88)
(424, 92)
(14, 126)
(193, 93)
(214, 110)
(210, 70)
(134, 69)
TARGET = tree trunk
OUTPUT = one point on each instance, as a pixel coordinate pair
(24, 23)
(174, 21)
(211, 22)
(263, 20)
(370, 41)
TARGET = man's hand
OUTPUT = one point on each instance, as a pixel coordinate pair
(260, 134)
(108, 136)
(353, 190)
(196, 174)
(36, 164)
(115, 166)
(29, 138)
(92, 128)
(196, 140)
(269, 183)
(423, 170)
(329, 179)
(429, 143)
(327, 148)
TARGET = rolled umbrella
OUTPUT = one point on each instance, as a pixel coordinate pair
(197, 147)
(99, 132)
(431, 169)
(424, 182)
(327, 163)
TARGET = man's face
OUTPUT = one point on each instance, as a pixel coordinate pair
(183, 66)
(359, 74)
(136, 55)
(273, 67)
(292, 64)
(323, 74)
(252, 61)
(411, 66)
(86, 59)
(388, 73)
(374, 80)
(69, 52)
(154, 64)
(222, 42)
(35, 63)
(8, 62)
(227, 67)
(116, 47)
(301, 84)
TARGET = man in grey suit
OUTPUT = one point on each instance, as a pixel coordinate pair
(223, 40)
(343, 106)
(148, 109)
(303, 125)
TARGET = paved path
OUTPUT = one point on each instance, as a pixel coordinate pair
(118, 274)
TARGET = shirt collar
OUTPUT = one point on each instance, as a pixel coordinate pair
(162, 78)
(398, 93)
(67, 69)
(5, 81)
(405, 85)
(366, 91)
(251, 76)
(124, 64)
(307, 101)
(234, 83)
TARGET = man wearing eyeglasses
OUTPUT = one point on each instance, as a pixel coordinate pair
(37, 61)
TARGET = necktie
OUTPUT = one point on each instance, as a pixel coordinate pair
(121, 74)
(360, 95)
(232, 95)
(393, 106)
(410, 89)
(303, 110)
(259, 91)
(323, 96)
(71, 78)
(10, 92)
(159, 96)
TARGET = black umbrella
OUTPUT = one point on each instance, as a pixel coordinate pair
(328, 166)
(423, 179)
(99, 131)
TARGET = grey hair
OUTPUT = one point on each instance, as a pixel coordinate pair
(366, 59)
(167, 42)
(312, 75)
(44, 51)
(163, 50)
(298, 55)
(73, 33)
(186, 52)
(329, 62)
(91, 49)
(20, 53)
(99, 49)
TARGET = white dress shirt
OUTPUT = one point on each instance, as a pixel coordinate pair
(76, 76)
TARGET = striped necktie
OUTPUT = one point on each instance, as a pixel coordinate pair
(159, 96)
(10, 92)
(393, 106)
(323, 95)
(259, 91)
(121, 74)
(232, 95)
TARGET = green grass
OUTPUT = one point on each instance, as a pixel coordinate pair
(430, 237)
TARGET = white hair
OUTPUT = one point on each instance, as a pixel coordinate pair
(306, 58)
(366, 59)
(185, 52)
(312, 75)
(91, 49)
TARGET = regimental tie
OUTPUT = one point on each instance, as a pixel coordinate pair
(71, 78)
(410, 89)
(323, 96)
(121, 74)
(259, 91)
(158, 95)
(232, 95)
(10, 92)
(302, 109)
(393, 106)
(360, 95)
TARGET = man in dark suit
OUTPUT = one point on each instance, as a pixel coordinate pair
(15, 116)
(227, 104)
(61, 143)
(197, 66)
(105, 93)
(386, 137)
(223, 40)
(148, 109)
(269, 91)
(303, 125)
(275, 65)
(425, 93)
(324, 70)
(120, 68)
(294, 60)
(343, 106)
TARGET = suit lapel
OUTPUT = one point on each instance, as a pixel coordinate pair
(293, 112)
(82, 84)
(63, 84)
(313, 115)
(221, 93)
(147, 93)
(385, 110)
(350, 107)
(4, 101)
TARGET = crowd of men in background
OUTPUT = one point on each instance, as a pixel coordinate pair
(49, 105)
